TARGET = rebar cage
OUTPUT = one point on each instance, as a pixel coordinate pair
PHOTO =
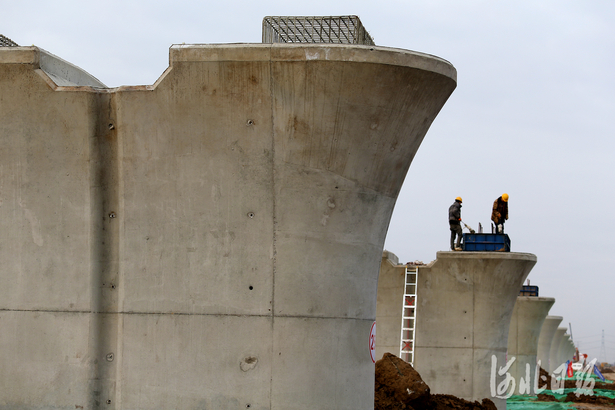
(7, 42)
(332, 29)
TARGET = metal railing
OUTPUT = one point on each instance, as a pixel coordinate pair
(340, 30)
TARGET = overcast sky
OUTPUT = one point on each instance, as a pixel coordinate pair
(532, 116)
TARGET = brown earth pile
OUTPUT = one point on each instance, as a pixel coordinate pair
(546, 397)
(608, 371)
(400, 387)
(445, 401)
(571, 397)
(545, 378)
(572, 384)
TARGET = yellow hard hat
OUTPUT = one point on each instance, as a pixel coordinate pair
(459, 198)
(505, 197)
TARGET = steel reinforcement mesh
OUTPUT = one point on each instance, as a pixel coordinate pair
(7, 42)
(340, 30)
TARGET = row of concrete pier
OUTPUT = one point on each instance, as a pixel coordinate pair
(470, 330)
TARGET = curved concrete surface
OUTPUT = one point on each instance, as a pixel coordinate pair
(563, 352)
(464, 304)
(212, 241)
(554, 358)
(562, 349)
(526, 322)
(544, 340)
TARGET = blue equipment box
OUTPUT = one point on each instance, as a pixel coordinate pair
(527, 290)
(486, 242)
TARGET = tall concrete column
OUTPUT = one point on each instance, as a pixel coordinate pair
(211, 241)
(544, 340)
(465, 301)
(391, 285)
(526, 322)
(554, 357)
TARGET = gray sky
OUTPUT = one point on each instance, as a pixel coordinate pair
(530, 116)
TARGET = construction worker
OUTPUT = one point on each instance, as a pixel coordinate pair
(499, 215)
(454, 220)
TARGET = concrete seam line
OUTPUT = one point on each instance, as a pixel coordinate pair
(186, 314)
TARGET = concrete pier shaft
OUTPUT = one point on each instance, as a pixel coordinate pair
(555, 353)
(526, 323)
(564, 351)
(544, 340)
(211, 241)
(465, 301)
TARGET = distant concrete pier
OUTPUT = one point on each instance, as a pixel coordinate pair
(555, 354)
(210, 241)
(544, 340)
(465, 302)
(525, 325)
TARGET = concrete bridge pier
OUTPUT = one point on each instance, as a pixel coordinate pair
(209, 241)
(544, 340)
(465, 302)
(525, 325)
(554, 354)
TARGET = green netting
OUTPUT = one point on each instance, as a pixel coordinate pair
(605, 393)
(532, 403)
(592, 375)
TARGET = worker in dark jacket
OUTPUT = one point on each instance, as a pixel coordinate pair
(454, 220)
(499, 215)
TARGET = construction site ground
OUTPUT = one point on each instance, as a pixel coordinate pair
(399, 387)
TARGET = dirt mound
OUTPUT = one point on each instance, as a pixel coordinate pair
(445, 402)
(608, 371)
(546, 397)
(573, 384)
(400, 387)
(545, 378)
(571, 397)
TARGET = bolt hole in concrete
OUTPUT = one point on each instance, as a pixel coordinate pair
(111, 126)
(112, 286)
(108, 401)
(112, 215)
(248, 406)
(250, 122)
(251, 287)
(250, 214)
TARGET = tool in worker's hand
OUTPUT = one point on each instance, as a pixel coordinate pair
(466, 225)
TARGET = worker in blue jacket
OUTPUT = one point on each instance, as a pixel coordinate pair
(454, 220)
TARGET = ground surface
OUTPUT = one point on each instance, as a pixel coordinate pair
(399, 387)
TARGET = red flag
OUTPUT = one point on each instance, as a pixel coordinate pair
(570, 372)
